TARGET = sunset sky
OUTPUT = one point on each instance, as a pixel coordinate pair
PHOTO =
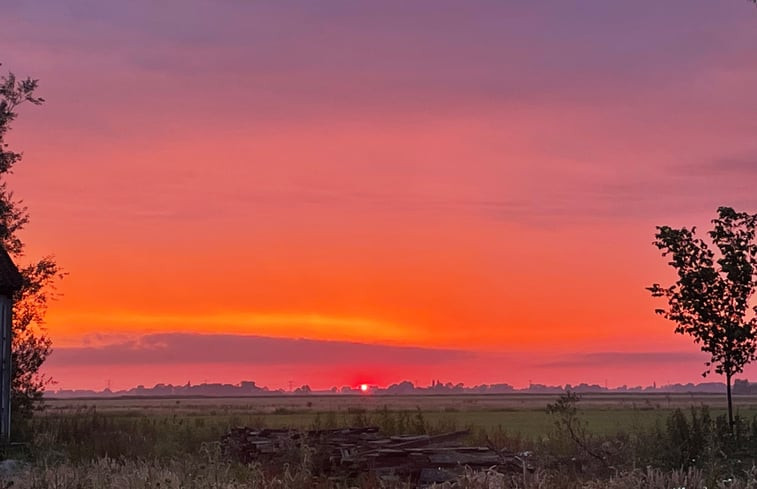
(339, 192)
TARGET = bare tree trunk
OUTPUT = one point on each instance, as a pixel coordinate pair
(730, 402)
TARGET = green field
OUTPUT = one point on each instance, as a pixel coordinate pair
(522, 415)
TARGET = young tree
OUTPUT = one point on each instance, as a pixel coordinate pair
(30, 345)
(711, 298)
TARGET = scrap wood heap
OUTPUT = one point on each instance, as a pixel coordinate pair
(349, 452)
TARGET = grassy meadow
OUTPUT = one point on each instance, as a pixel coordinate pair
(522, 415)
(138, 442)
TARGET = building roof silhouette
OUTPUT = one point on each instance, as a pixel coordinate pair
(10, 278)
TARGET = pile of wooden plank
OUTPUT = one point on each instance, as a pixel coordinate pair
(349, 452)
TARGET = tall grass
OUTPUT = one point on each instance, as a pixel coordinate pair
(87, 434)
(191, 474)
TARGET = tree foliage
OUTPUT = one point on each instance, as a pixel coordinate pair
(31, 345)
(711, 300)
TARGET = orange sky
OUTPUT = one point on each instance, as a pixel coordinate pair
(482, 178)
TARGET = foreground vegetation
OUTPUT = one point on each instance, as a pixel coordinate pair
(218, 474)
(87, 447)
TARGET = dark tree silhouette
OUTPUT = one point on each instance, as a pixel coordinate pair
(31, 345)
(711, 298)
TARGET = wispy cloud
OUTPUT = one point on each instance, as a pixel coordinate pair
(179, 348)
(737, 167)
(624, 359)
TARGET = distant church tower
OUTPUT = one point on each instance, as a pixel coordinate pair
(10, 281)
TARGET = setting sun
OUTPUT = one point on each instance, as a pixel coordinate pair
(364, 387)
